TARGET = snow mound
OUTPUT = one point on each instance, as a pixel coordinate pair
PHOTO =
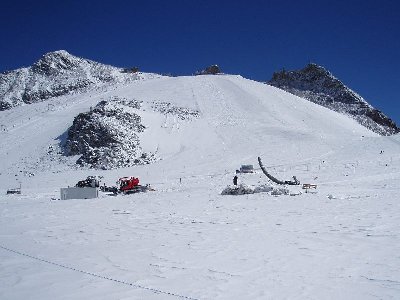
(243, 189)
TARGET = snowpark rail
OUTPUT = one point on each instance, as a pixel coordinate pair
(294, 182)
(153, 290)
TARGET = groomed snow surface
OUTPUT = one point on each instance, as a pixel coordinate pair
(185, 240)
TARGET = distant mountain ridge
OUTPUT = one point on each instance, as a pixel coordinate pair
(318, 85)
(55, 74)
(59, 73)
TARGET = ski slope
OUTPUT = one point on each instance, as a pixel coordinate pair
(185, 240)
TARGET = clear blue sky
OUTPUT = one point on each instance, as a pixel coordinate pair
(358, 41)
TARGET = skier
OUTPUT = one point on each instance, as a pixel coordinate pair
(235, 180)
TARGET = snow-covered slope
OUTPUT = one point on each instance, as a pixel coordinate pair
(318, 85)
(59, 73)
(185, 239)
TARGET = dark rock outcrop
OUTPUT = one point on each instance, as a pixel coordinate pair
(318, 85)
(107, 137)
(211, 70)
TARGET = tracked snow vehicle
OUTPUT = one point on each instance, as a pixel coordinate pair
(127, 185)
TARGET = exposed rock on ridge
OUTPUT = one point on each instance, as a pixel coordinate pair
(210, 70)
(55, 74)
(318, 85)
(107, 136)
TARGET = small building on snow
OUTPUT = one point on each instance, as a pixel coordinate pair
(78, 193)
(246, 169)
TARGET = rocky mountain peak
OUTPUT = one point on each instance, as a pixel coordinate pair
(54, 62)
(56, 74)
(318, 85)
(314, 68)
(311, 77)
(57, 55)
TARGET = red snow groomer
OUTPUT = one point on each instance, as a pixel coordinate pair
(129, 185)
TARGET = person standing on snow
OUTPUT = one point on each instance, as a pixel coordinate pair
(235, 180)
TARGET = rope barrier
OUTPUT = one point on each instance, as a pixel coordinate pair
(154, 290)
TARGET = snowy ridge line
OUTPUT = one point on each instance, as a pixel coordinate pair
(154, 290)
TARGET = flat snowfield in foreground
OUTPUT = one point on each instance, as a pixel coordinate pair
(185, 240)
(188, 241)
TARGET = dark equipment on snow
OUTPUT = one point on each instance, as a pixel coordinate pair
(90, 181)
(277, 181)
(14, 191)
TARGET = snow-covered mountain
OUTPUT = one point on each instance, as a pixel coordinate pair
(59, 73)
(318, 85)
(185, 240)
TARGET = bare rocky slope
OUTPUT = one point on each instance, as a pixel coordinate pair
(318, 85)
(55, 74)
(106, 137)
